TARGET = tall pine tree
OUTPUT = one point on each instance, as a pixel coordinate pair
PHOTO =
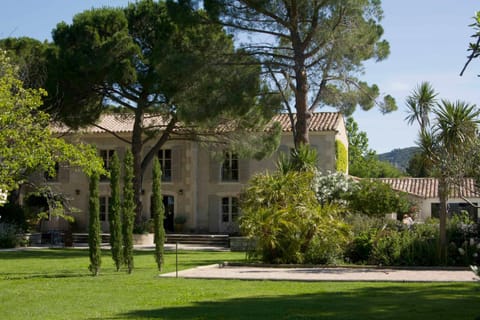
(94, 239)
(158, 212)
(115, 217)
(128, 211)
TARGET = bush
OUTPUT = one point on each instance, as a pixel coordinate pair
(8, 235)
(13, 214)
(464, 241)
(376, 198)
(282, 214)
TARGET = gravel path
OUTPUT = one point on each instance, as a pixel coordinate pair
(327, 274)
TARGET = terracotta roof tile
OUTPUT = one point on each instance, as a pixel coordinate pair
(320, 121)
(428, 187)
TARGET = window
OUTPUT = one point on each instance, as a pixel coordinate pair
(230, 167)
(229, 209)
(104, 203)
(455, 209)
(107, 156)
(165, 159)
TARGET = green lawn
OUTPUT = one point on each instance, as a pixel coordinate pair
(55, 284)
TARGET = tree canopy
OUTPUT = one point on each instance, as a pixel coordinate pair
(158, 63)
(312, 51)
(26, 142)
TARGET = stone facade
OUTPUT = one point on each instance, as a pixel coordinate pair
(196, 186)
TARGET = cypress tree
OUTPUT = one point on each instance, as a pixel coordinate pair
(94, 240)
(114, 217)
(158, 213)
(128, 211)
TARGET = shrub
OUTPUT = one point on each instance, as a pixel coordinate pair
(282, 214)
(464, 241)
(8, 235)
(377, 199)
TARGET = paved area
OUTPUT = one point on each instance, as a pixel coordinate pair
(327, 274)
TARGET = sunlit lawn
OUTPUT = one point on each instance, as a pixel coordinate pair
(56, 284)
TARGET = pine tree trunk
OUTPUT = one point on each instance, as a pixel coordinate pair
(301, 102)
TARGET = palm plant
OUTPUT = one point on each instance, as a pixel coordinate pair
(420, 104)
(452, 137)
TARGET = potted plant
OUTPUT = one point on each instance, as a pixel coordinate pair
(179, 223)
(142, 232)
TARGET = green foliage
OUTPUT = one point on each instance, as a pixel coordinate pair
(8, 235)
(158, 58)
(24, 127)
(128, 211)
(14, 214)
(362, 161)
(281, 212)
(399, 157)
(314, 59)
(158, 212)
(375, 198)
(301, 159)
(341, 156)
(115, 214)
(94, 239)
(418, 166)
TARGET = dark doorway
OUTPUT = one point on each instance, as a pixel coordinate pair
(169, 204)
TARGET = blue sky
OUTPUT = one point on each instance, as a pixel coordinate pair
(428, 40)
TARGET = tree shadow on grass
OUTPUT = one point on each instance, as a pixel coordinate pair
(47, 253)
(446, 301)
(41, 275)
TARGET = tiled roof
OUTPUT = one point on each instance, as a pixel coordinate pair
(428, 187)
(320, 121)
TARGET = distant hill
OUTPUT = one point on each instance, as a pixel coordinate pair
(399, 157)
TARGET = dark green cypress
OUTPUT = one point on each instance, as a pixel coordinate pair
(115, 217)
(94, 239)
(128, 211)
(158, 213)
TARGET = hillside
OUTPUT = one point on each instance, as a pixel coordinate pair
(399, 157)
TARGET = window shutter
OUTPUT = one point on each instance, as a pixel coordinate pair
(213, 213)
(178, 164)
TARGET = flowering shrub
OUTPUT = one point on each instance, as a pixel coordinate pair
(333, 187)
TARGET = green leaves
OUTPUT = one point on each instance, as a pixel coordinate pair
(26, 142)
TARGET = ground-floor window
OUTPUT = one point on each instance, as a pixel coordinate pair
(104, 203)
(229, 209)
(456, 208)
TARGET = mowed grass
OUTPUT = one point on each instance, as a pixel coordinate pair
(56, 284)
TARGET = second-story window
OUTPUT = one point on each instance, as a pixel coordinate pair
(230, 167)
(107, 155)
(165, 159)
